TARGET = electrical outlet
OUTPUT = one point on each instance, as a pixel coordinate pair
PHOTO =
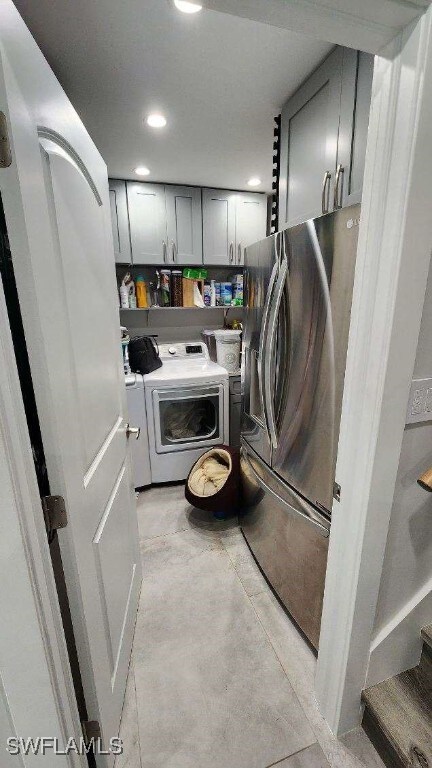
(420, 401)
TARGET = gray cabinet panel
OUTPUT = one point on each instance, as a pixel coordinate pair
(147, 218)
(324, 131)
(184, 225)
(354, 122)
(251, 220)
(218, 226)
(309, 140)
(120, 221)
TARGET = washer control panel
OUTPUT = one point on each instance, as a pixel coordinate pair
(190, 350)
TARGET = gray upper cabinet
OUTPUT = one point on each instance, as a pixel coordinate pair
(120, 221)
(231, 221)
(309, 136)
(147, 219)
(218, 226)
(251, 221)
(167, 224)
(323, 138)
(354, 122)
(184, 225)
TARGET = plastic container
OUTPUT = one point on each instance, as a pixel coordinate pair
(207, 294)
(132, 295)
(141, 292)
(238, 290)
(177, 288)
(228, 345)
(212, 293)
(124, 296)
(226, 294)
(165, 287)
(218, 294)
(209, 339)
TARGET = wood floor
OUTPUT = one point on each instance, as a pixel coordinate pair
(398, 714)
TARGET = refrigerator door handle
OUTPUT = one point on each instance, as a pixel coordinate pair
(263, 335)
(269, 349)
(323, 528)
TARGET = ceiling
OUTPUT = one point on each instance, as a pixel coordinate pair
(218, 79)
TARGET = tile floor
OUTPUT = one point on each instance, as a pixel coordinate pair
(219, 675)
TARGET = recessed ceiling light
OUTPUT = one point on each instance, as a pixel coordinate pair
(142, 171)
(254, 181)
(187, 7)
(156, 120)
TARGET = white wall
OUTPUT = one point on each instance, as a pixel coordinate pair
(405, 596)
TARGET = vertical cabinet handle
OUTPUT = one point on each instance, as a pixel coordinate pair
(325, 194)
(231, 253)
(338, 190)
(164, 251)
(174, 251)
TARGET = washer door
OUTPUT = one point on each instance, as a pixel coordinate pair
(188, 418)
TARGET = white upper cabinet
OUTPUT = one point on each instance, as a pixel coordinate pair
(120, 221)
(147, 220)
(323, 138)
(231, 221)
(219, 215)
(251, 221)
(184, 225)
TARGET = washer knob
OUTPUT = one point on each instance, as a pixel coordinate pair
(172, 351)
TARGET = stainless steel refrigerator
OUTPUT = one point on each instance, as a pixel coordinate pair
(298, 292)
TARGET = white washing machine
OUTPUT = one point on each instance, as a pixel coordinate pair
(138, 418)
(187, 402)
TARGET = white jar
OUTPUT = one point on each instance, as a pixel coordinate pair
(228, 346)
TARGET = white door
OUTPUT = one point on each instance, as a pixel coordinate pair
(56, 201)
(251, 220)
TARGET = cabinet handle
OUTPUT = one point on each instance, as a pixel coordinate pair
(239, 253)
(231, 253)
(164, 251)
(174, 252)
(325, 194)
(338, 194)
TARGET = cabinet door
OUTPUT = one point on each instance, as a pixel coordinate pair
(184, 225)
(309, 136)
(120, 221)
(251, 220)
(147, 218)
(354, 121)
(218, 226)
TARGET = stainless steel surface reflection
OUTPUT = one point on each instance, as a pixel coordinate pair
(298, 290)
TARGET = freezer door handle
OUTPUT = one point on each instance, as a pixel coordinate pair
(323, 528)
(269, 350)
(263, 335)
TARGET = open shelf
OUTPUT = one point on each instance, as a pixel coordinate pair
(164, 309)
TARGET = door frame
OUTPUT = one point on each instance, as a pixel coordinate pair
(393, 260)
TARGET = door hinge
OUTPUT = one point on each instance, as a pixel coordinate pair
(5, 148)
(91, 730)
(336, 491)
(54, 509)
